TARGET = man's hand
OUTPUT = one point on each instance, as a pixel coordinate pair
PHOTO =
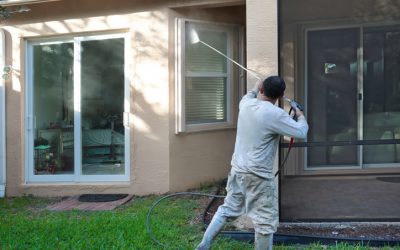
(298, 113)
(258, 86)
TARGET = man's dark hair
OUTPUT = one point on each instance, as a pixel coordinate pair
(274, 86)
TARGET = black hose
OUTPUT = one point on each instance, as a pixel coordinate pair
(221, 185)
(148, 227)
(278, 238)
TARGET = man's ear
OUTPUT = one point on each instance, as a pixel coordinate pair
(261, 89)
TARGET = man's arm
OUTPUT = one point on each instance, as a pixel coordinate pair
(285, 125)
(254, 91)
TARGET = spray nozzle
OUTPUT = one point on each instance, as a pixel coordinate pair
(293, 104)
(194, 38)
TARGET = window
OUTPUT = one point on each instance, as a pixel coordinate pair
(207, 83)
(75, 109)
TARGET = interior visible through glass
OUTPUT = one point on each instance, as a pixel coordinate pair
(381, 93)
(102, 107)
(332, 96)
(53, 108)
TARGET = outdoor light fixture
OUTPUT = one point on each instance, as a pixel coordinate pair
(7, 71)
(6, 13)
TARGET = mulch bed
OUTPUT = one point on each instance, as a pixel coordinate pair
(371, 231)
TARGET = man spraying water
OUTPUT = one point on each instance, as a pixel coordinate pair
(250, 187)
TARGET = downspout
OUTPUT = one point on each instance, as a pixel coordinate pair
(3, 178)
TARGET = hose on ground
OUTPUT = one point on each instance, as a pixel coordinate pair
(148, 227)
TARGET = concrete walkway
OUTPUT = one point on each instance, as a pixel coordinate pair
(340, 198)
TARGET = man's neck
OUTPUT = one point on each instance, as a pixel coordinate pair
(262, 97)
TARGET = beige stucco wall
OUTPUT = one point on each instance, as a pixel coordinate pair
(159, 159)
(201, 157)
(262, 40)
(148, 118)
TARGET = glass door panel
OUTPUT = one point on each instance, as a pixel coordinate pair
(332, 96)
(381, 93)
(53, 109)
(102, 107)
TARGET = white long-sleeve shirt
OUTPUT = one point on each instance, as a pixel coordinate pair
(260, 124)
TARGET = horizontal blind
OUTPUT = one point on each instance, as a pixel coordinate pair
(205, 99)
(206, 79)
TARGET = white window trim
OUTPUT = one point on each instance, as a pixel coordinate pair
(3, 162)
(232, 88)
(30, 122)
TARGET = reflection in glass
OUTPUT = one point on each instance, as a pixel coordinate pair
(102, 106)
(206, 77)
(53, 109)
(332, 96)
(381, 93)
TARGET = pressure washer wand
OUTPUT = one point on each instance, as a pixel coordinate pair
(194, 38)
(238, 64)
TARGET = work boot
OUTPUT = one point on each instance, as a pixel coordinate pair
(263, 241)
(216, 224)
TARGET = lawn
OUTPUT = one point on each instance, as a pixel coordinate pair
(26, 224)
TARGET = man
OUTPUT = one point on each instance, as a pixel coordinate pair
(250, 187)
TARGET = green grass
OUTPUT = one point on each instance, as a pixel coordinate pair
(26, 224)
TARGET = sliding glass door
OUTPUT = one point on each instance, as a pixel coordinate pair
(353, 93)
(332, 95)
(102, 106)
(381, 78)
(75, 108)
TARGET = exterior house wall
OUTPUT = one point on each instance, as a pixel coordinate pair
(262, 41)
(200, 157)
(159, 160)
(148, 118)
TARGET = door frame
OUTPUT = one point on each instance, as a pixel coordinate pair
(30, 121)
(359, 90)
(335, 25)
(3, 166)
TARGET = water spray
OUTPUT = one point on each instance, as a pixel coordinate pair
(194, 38)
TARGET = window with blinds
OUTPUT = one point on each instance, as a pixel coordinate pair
(207, 82)
(206, 77)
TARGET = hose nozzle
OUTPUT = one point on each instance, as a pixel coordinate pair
(293, 104)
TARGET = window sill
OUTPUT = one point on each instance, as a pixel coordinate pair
(347, 172)
(207, 127)
(114, 184)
